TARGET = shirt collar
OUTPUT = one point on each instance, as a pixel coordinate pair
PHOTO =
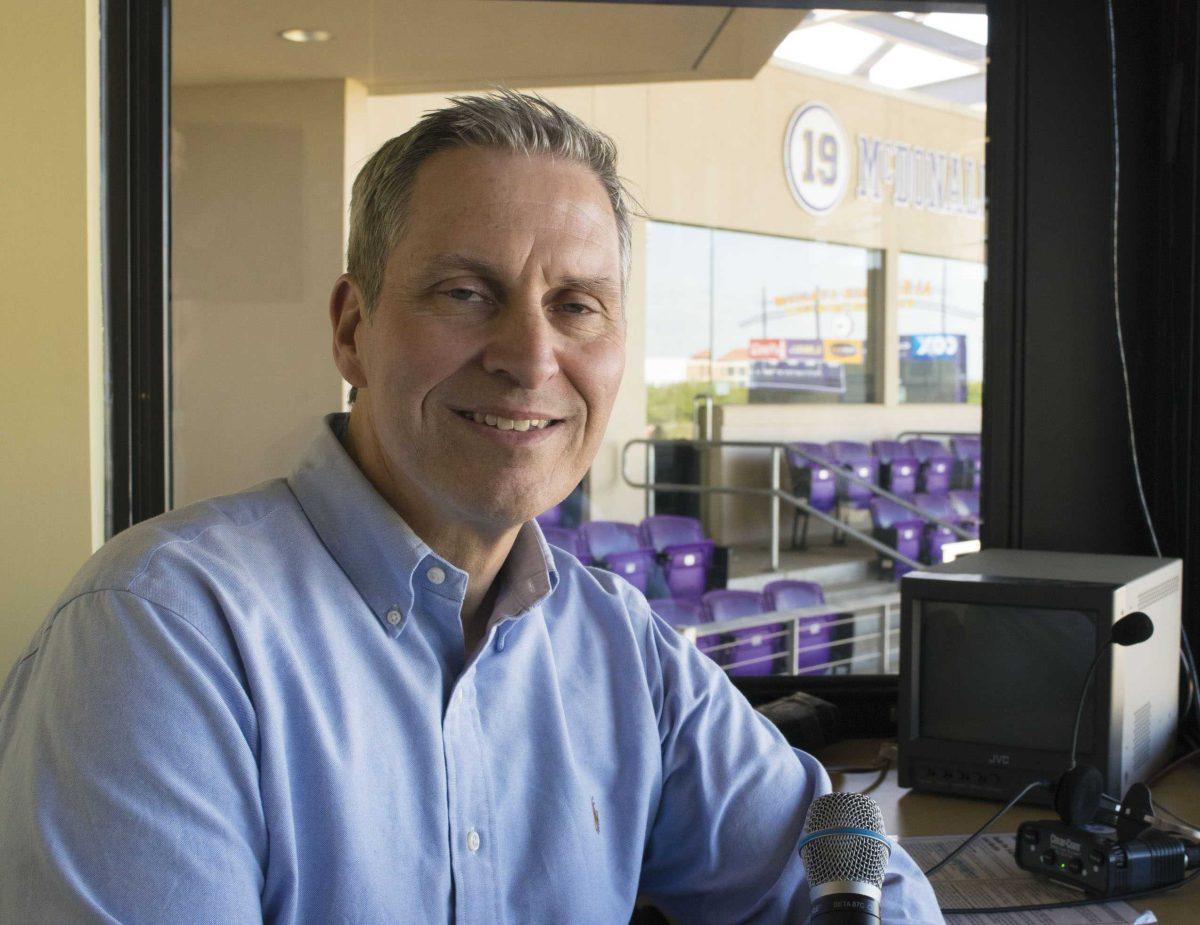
(380, 553)
(529, 574)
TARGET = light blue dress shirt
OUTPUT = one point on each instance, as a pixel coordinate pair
(259, 708)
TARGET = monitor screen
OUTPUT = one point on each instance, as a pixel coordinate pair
(1004, 676)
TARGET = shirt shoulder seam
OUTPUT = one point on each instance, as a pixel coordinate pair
(154, 551)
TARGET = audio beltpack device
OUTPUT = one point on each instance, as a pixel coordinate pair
(1094, 859)
(1107, 851)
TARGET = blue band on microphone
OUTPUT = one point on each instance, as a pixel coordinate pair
(865, 833)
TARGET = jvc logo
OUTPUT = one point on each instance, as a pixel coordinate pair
(999, 760)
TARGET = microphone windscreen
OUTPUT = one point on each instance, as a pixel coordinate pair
(844, 857)
(1077, 795)
(1132, 629)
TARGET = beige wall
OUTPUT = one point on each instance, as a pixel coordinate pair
(259, 177)
(716, 159)
(51, 425)
(711, 153)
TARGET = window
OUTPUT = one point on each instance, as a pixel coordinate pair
(753, 318)
(940, 321)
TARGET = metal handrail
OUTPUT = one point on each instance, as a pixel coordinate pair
(776, 493)
(779, 495)
(883, 492)
(886, 604)
(936, 433)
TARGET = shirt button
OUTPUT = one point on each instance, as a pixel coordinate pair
(472, 841)
(394, 616)
(435, 575)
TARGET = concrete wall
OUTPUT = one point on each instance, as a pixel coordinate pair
(260, 190)
(51, 359)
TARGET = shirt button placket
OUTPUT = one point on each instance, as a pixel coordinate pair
(473, 881)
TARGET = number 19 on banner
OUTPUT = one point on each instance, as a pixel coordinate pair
(816, 158)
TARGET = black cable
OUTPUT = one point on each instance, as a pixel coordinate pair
(879, 770)
(1190, 661)
(1099, 900)
(1185, 712)
(879, 779)
(1111, 35)
(983, 828)
(1174, 815)
(1082, 701)
(1168, 768)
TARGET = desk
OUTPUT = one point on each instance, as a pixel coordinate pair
(907, 813)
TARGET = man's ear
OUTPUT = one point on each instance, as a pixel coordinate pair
(346, 313)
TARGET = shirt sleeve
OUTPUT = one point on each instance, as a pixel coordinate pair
(128, 775)
(723, 845)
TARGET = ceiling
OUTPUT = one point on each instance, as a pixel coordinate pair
(937, 55)
(397, 46)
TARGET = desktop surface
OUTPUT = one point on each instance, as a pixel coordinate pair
(908, 813)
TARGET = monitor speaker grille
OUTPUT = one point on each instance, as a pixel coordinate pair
(1141, 736)
(1153, 595)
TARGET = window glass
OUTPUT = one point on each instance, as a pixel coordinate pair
(940, 321)
(754, 318)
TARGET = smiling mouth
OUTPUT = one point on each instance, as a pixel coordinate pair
(503, 423)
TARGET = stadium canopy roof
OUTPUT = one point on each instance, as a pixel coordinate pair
(939, 55)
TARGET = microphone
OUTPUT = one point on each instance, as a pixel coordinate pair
(845, 853)
(1079, 790)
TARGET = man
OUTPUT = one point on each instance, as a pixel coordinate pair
(371, 692)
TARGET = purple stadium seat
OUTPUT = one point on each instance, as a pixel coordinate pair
(811, 481)
(569, 539)
(683, 550)
(934, 537)
(858, 459)
(897, 466)
(618, 548)
(662, 531)
(937, 466)
(969, 456)
(965, 505)
(815, 633)
(752, 644)
(899, 528)
(552, 517)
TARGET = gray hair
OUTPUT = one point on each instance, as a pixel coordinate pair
(504, 119)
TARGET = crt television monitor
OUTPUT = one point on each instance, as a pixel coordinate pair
(994, 650)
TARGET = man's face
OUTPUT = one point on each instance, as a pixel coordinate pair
(494, 354)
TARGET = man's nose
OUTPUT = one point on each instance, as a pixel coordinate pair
(523, 345)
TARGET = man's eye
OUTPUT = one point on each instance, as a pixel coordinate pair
(461, 294)
(575, 308)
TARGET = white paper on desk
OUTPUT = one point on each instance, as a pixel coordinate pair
(986, 875)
